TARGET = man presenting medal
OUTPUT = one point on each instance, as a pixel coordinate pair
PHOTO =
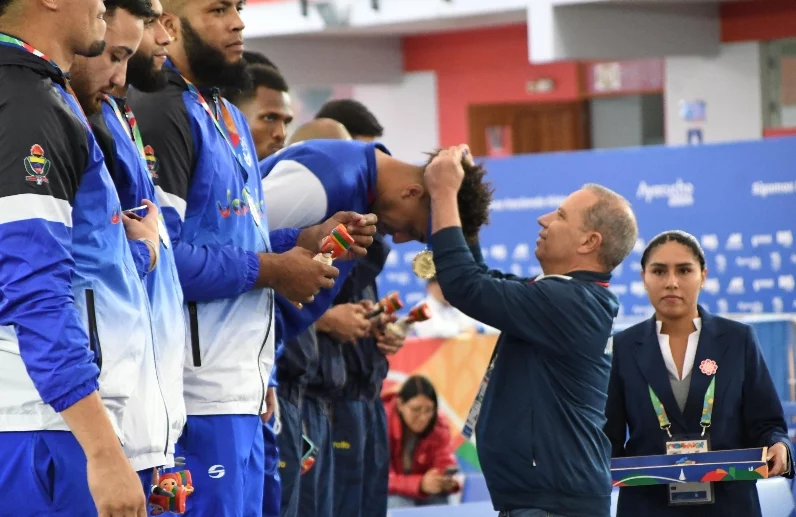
(540, 438)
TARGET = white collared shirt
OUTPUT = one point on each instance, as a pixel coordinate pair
(690, 351)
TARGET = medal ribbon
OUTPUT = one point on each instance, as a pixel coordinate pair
(128, 123)
(14, 42)
(707, 409)
(230, 132)
(233, 140)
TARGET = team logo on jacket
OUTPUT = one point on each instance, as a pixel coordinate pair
(37, 166)
(151, 161)
(236, 206)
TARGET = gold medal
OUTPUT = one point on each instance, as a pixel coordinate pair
(423, 265)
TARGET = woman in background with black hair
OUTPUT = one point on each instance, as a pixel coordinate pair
(422, 466)
(685, 374)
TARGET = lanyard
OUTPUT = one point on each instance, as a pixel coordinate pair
(707, 409)
(128, 123)
(230, 131)
(130, 126)
(11, 41)
(14, 42)
(233, 140)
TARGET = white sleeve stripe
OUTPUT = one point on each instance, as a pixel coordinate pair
(23, 207)
(294, 196)
(171, 200)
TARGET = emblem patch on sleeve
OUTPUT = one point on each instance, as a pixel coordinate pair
(37, 166)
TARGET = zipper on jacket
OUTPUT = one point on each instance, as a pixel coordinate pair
(262, 347)
(194, 322)
(155, 364)
(263, 382)
(93, 334)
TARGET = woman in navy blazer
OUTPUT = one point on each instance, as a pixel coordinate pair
(683, 340)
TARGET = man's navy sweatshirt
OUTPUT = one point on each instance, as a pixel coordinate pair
(540, 433)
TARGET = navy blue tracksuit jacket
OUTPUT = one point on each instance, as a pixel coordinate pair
(540, 433)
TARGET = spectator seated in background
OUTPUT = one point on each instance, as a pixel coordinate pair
(422, 466)
(448, 321)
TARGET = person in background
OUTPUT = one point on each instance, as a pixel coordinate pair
(685, 355)
(320, 129)
(267, 107)
(422, 465)
(113, 124)
(539, 433)
(448, 321)
(258, 58)
(265, 103)
(358, 120)
(337, 328)
(359, 427)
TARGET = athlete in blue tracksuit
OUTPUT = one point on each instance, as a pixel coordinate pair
(295, 360)
(215, 214)
(327, 178)
(316, 496)
(73, 313)
(359, 428)
(134, 181)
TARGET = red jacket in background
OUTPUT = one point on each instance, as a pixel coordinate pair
(433, 451)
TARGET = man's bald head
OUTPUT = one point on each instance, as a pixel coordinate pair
(320, 129)
(611, 216)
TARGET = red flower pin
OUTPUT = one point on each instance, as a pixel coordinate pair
(708, 367)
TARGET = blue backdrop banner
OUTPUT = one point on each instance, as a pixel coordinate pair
(738, 199)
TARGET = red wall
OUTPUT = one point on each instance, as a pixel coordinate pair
(756, 20)
(483, 66)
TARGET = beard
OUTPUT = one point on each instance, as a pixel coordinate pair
(209, 65)
(142, 76)
(94, 50)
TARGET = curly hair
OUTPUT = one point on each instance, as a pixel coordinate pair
(475, 196)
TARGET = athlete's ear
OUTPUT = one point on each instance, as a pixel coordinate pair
(413, 191)
(171, 22)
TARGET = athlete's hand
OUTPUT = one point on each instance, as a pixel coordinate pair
(346, 322)
(295, 275)
(146, 227)
(115, 486)
(388, 343)
(270, 405)
(137, 227)
(361, 227)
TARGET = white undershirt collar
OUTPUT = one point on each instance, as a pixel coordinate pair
(690, 351)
